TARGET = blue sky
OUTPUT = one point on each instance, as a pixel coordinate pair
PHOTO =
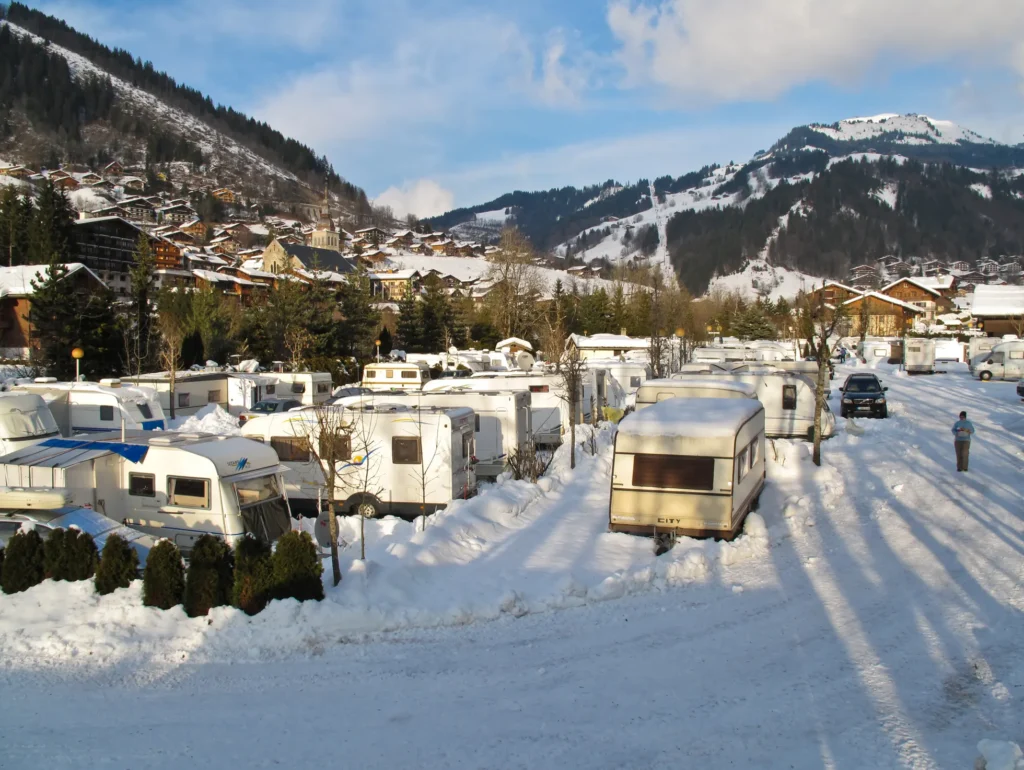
(430, 104)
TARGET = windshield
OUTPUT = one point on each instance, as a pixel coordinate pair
(27, 424)
(257, 490)
(861, 386)
(266, 407)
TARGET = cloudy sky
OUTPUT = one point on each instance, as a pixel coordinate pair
(430, 104)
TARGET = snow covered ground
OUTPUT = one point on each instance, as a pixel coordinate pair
(759, 278)
(869, 617)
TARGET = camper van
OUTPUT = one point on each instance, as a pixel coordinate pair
(977, 346)
(692, 467)
(25, 419)
(691, 386)
(394, 375)
(788, 399)
(174, 485)
(1004, 362)
(501, 423)
(310, 388)
(89, 407)
(920, 356)
(398, 459)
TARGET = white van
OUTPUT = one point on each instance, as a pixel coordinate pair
(174, 485)
(89, 407)
(398, 459)
(692, 467)
(1004, 362)
(977, 347)
(24, 420)
(395, 375)
(920, 356)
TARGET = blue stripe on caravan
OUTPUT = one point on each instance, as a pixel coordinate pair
(135, 453)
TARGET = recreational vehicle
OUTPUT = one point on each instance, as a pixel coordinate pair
(692, 467)
(193, 390)
(629, 374)
(978, 346)
(392, 459)
(1004, 362)
(874, 350)
(89, 407)
(949, 350)
(920, 356)
(691, 386)
(788, 399)
(394, 375)
(25, 419)
(311, 388)
(174, 485)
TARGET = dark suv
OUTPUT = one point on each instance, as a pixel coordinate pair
(863, 395)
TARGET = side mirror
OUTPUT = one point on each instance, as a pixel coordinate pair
(884, 390)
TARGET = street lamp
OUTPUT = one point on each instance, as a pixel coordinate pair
(680, 333)
(377, 343)
(78, 354)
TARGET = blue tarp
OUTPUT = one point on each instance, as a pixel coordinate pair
(135, 453)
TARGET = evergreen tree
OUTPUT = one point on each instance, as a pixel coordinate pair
(360, 319)
(253, 575)
(15, 216)
(209, 578)
(386, 343)
(23, 562)
(437, 319)
(753, 324)
(297, 568)
(50, 228)
(163, 583)
(69, 554)
(408, 332)
(118, 567)
(140, 341)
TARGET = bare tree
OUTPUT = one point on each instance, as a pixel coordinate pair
(424, 470)
(174, 312)
(516, 285)
(573, 371)
(297, 340)
(819, 321)
(328, 434)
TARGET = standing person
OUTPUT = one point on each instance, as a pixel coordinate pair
(963, 429)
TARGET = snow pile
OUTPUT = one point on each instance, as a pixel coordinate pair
(999, 755)
(87, 199)
(210, 419)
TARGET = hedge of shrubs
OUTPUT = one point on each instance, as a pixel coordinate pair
(247, 578)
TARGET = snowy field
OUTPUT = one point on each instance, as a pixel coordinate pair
(869, 617)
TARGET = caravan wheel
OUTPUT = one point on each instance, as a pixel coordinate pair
(367, 509)
(986, 376)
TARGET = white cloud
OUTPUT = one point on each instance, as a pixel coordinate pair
(424, 198)
(725, 50)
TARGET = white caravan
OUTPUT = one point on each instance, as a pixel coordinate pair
(247, 390)
(311, 388)
(394, 459)
(395, 375)
(692, 467)
(89, 407)
(630, 375)
(687, 386)
(919, 357)
(174, 485)
(501, 425)
(192, 390)
(874, 350)
(25, 419)
(948, 350)
(1004, 362)
(788, 400)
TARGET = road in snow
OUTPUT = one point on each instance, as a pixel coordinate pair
(879, 626)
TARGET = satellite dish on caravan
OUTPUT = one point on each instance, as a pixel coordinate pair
(524, 361)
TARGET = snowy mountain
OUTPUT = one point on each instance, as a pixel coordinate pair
(901, 129)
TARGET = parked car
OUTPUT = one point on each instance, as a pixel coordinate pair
(86, 519)
(863, 394)
(269, 406)
(1020, 390)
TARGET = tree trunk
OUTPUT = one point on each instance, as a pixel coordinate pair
(572, 435)
(819, 401)
(333, 529)
(172, 376)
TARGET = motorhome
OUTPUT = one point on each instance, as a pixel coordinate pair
(1004, 362)
(920, 356)
(977, 348)
(549, 410)
(88, 407)
(692, 467)
(311, 388)
(174, 485)
(395, 375)
(501, 422)
(788, 399)
(874, 350)
(391, 458)
(691, 386)
(25, 419)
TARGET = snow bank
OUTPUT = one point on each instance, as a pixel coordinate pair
(210, 419)
(999, 755)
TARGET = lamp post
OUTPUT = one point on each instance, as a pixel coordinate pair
(377, 343)
(78, 354)
(680, 334)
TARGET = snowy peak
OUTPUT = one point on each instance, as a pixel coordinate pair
(908, 129)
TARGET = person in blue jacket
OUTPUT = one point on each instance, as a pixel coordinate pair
(963, 429)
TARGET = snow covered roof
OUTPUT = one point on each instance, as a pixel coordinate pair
(918, 282)
(609, 342)
(212, 277)
(507, 343)
(697, 418)
(885, 298)
(17, 281)
(933, 281)
(992, 300)
(395, 275)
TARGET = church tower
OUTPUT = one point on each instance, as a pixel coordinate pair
(325, 236)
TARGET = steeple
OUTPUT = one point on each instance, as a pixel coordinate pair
(325, 222)
(325, 236)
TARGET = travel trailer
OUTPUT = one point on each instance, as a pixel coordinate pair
(397, 459)
(1004, 362)
(89, 407)
(311, 388)
(691, 386)
(949, 350)
(874, 350)
(193, 391)
(630, 375)
(688, 466)
(788, 400)
(501, 423)
(25, 419)
(920, 356)
(715, 355)
(174, 485)
(395, 375)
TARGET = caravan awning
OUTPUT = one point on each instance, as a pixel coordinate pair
(135, 453)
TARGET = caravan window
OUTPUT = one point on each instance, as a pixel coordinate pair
(741, 465)
(408, 375)
(1016, 354)
(146, 411)
(995, 358)
(257, 490)
(291, 449)
(467, 445)
(390, 374)
(879, 353)
(370, 374)
(673, 472)
(270, 390)
(213, 397)
(107, 413)
(298, 387)
(342, 447)
(538, 388)
(634, 382)
(190, 493)
(142, 484)
(405, 451)
(752, 450)
(183, 399)
(789, 397)
(322, 387)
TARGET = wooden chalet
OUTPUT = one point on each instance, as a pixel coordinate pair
(917, 292)
(224, 195)
(113, 169)
(886, 316)
(833, 293)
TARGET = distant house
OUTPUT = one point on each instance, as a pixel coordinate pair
(606, 345)
(18, 172)
(178, 213)
(922, 292)
(960, 266)
(113, 169)
(281, 257)
(194, 227)
(886, 316)
(998, 310)
(107, 246)
(224, 195)
(228, 285)
(391, 286)
(374, 235)
(139, 209)
(133, 183)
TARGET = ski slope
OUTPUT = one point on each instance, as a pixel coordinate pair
(870, 617)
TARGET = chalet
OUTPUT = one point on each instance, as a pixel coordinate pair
(194, 227)
(918, 292)
(861, 271)
(16, 333)
(403, 239)
(103, 186)
(65, 182)
(168, 278)
(446, 247)
(133, 183)
(374, 235)
(257, 276)
(224, 195)
(392, 286)
(180, 238)
(224, 244)
(999, 310)
(107, 246)
(423, 248)
(988, 266)
(113, 169)
(886, 316)
(139, 209)
(177, 213)
(280, 257)
(18, 172)
(228, 285)
(1009, 269)
(463, 250)
(960, 266)
(106, 211)
(373, 259)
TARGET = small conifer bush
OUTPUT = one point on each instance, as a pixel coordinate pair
(209, 579)
(69, 554)
(297, 568)
(253, 575)
(163, 583)
(118, 565)
(23, 562)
